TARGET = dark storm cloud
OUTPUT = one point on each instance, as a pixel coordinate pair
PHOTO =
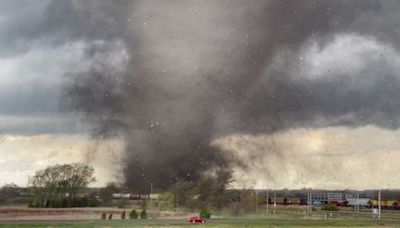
(201, 69)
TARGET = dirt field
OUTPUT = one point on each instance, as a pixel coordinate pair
(19, 213)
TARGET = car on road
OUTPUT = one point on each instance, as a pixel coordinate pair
(196, 219)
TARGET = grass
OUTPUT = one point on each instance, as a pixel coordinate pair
(223, 223)
(284, 217)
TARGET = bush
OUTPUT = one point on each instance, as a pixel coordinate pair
(205, 213)
(329, 207)
(32, 203)
(143, 214)
(103, 216)
(110, 216)
(133, 214)
(123, 215)
(82, 202)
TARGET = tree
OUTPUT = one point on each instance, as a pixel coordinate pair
(133, 214)
(165, 201)
(247, 202)
(77, 178)
(9, 190)
(58, 185)
(211, 189)
(184, 192)
(205, 213)
(329, 207)
(143, 214)
(106, 192)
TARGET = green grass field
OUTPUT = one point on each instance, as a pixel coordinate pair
(225, 223)
(283, 217)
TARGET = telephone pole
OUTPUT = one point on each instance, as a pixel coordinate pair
(267, 200)
(256, 201)
(151, 193)
(309, 203)
(358, 202)
(379, 204)
(274, 202)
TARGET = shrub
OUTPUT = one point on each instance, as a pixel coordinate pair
(329, 207)
(110, 216)
(123, 215)
(143, 214)
(103, 216)
(205, 213)
(32, 203)
(82, 202)
(133, 214)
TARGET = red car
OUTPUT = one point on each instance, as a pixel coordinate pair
(196, 219)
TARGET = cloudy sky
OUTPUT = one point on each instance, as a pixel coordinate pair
(285, 94)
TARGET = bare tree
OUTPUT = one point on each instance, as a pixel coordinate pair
(53, 185)
(106, 192)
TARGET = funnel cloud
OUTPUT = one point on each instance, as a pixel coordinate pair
(180, 83)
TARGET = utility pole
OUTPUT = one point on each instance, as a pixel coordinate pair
(177, 193)
(379, 204)
(308, 203)
(274, 202)
(309, 207)
(256, 201)
(358, 202)
(267, 200)
(151, 193)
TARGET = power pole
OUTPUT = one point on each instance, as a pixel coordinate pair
(308, 203)
(267, 200)
(151, 193)
(256, 201)
(274, 202)
(310, 207)
(379, 204)
(358, 202)
(177, 193)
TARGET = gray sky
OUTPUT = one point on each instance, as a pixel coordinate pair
(204, 82)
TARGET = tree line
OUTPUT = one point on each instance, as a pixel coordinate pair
(65, 185)
(60, 185)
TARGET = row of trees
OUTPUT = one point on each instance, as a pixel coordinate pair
(208, 191)
(63, 185)
(60, 185)
(9, 190)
